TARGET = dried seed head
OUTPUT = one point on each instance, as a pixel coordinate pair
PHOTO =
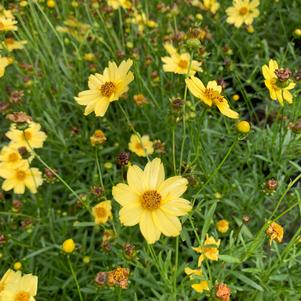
(101, 278)
(283, 74)
(223, 292)
(123, 158)
(271, 185)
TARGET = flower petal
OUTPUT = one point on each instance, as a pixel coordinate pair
(172, 188)
(124, 195)
(169, 225)
(148, 228)
(153, 174)
(176, 207)
(130, 215)
(134, 176)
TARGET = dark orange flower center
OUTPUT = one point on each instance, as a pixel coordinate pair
(107, 89)
(100, 212)
(21, 175)
(27, 135)
(138, 146)
(13, 157)
(243, 11)
(183, 64)
(151, 200)
(22, 296)
(213, 95)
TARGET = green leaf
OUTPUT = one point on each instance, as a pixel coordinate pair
(229, 259)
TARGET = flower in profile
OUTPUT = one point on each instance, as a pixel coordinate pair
(10, 276)
(242, 12)
(191, 272)
(102, 212)
(275, 232)
(20, 177)
(222, 226)
(31, 137)
(115, 4)
(151, 201)
(22, 289)
(209, 250)
(278, 82)
(201, 286)
(141, 146)
(11, 44)
(7, 24)
(106, 88)
(210, 95)
(9, 157)
(98, 137)
(210, 5)
(4, 62)
(179, 63)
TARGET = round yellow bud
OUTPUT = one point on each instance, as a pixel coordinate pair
(68, 245)
(199, 17)
(297, 32)
(235, 97)
(222, 226)
(23, 3)
(74, 4)
(17, 266)
(86, 259)
(243, 127)
(108, 165)
(51, 3)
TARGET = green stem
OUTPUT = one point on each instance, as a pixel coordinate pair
(75, 279)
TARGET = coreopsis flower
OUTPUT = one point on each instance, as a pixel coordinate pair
(222, 292)
(242, 12)
(151, 201)
(23, 289)
(68, 246)
(201, 286)
(210, 5)
(106, 88)
(7, 24)
(209, 250)
(118, 277)
(9, 157)
(102, 212)
(115, 4)
(31, 137)
(210, 95)
(20, 177)
(4, 62)
(11, 44)
(18, 117)
(278, 82)
(10, 276)
(141, 146)
(179, 63)
(140, 99)
(141, 20)
(191, 272)
(98, 137)
(275, 232)
(222, 226)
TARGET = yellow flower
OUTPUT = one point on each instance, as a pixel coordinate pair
(23, 289)
(222, 226)
(20, 177)
(243, 127)
(17, 265)
(210, 95)
(211, 5)
(141, 146)
(89, 57)
(200, 287)
(102, 212)
(51, 3)
(242, 11)
(4, 62)
(31, 137)
(11, 44)
(8, 24)
(68, 245)
(119, 3)
(98, 137)
(9, 277)
(105, 88)
(9, 157)
(275, 232)
(191, 272)
(179, 63)
(151, 201)
(141, 20)
(209, 249)
(278, 82)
